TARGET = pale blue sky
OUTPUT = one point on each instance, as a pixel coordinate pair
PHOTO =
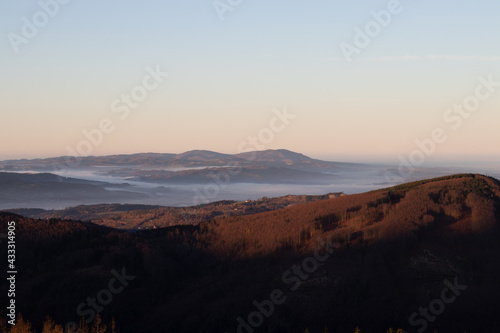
(226, 77)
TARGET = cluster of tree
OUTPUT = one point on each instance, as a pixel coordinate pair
(129, 216)
(49, 326)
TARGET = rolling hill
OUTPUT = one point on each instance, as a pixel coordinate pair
(371, 260)
(136, 217)
(278, 158)
(175, 179)
(288, 159)
(270, 166)
(21, 189)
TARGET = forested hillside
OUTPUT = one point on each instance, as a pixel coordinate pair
(369, 260)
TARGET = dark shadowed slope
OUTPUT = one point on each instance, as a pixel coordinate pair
(21, 190)
(391, 252)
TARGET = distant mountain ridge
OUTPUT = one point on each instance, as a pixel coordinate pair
(279, 157)
(196, 167)
(287, 158)
(192, 177)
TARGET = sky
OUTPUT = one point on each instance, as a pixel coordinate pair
(338, 80)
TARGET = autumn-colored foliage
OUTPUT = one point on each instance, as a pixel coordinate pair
(49, 326)
(391, 249)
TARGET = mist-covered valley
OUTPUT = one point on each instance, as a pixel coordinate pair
(192, 178)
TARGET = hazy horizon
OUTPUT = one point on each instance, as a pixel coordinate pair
(450, 161)
(147, 181)
(183, 76)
